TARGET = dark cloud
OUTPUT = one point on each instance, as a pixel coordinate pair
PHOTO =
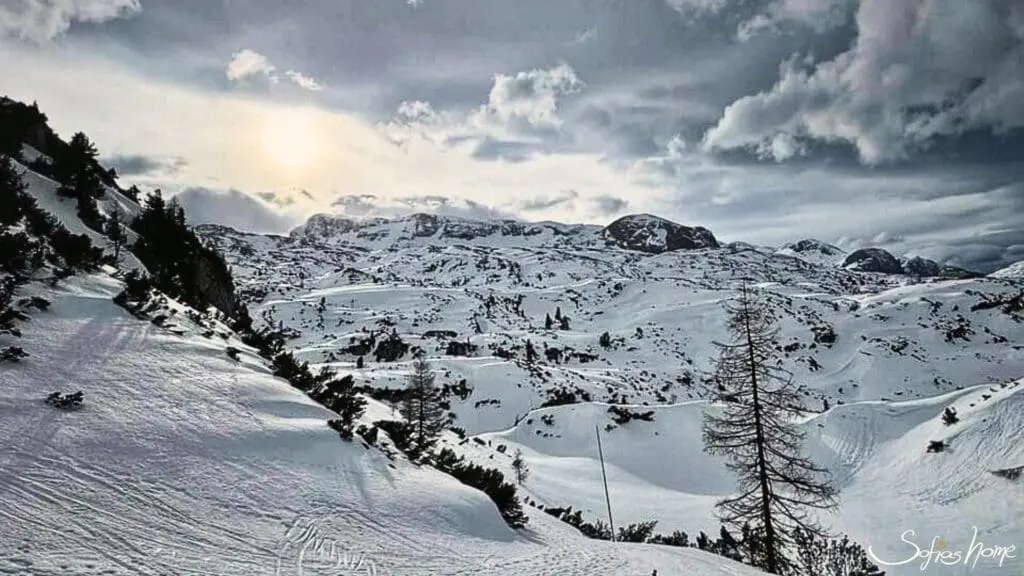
(235, 209)
(369, 205)
(541, 203)
(276, 199)
(489, 148)
(610, 205)
(917, 71)
(141, 165)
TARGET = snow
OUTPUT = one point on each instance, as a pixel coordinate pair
(1012, 271)
(904, 351)
(874, 450)
(44, 190)
(182, 461)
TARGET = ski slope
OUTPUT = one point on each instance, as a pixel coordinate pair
(184, 461)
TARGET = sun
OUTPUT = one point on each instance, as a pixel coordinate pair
(290, 139)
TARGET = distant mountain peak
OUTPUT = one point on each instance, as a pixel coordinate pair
(653, 234)
(813, 245)
(873, 260)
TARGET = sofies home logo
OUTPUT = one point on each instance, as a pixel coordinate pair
(939, 554)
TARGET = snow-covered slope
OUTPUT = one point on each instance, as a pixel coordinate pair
(1012, 271)
(876, 452)
(184, 461)
(44, 191)
(847, 335)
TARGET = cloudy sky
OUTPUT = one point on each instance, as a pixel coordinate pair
(894, 123)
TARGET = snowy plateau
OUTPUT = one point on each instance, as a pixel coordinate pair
(186, 460)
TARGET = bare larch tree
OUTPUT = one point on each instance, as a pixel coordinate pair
(754, 429)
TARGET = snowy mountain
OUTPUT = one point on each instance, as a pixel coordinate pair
(879, 356)
(189, 456)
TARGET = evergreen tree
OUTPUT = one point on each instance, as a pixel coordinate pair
(114, 230)
(520, 468)
(605, 340)
(818, 556)
(728, 546)
(339, 395)
(75, 169)
(531, 353)
(180, 264)
(133, 192)
(422, 409)
(755, 432)
(17, 120)
(12, 191)
(548, 322)
(949, 416)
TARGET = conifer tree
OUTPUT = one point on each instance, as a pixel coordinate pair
(520, 468)
(114, 230)
(12, 190)
(777, 487)
(422, 410)
(531, 353)
(75, 169)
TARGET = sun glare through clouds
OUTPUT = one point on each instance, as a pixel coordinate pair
(290, 139)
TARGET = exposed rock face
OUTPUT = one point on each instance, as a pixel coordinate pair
(878, 260)
(214, 282)
(811, 245)
(873, 260)
(918, 266)
(321, 226)
(646, 233)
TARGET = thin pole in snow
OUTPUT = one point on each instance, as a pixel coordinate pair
(604, 477)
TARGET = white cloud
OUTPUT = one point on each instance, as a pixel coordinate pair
(919, 69)
(303, 81)
(698, 7)
(521, 111)
(42, 20)
(780, 148)
(418, 111)
(529, 97)
(248, 63)
(818, 15)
